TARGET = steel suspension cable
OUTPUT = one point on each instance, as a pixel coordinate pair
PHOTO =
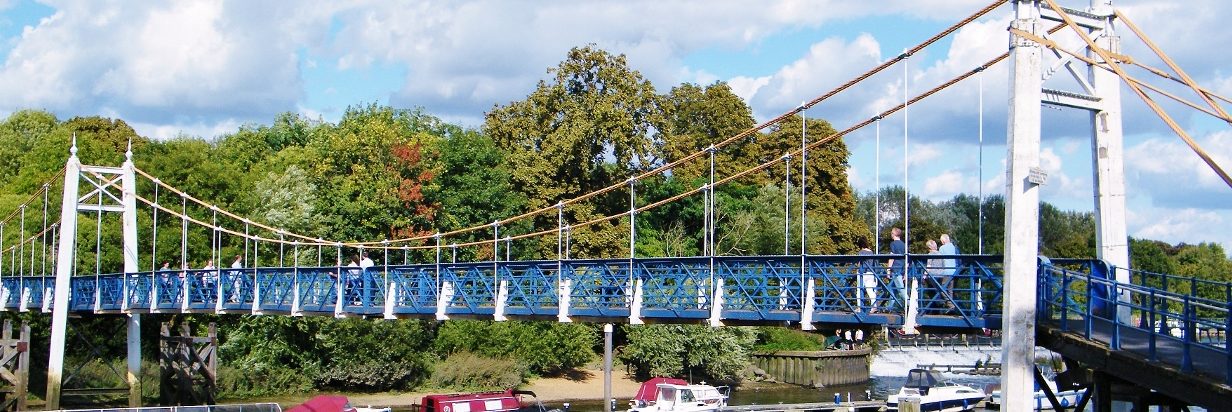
(906, 182)
(154, 233)
(34, 196)
(1185, 79)
(751, 131)
(1176, 128)
(183, 234)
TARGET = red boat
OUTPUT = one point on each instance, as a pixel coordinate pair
(496, 401)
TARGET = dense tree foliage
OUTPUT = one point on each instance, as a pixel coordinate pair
(688, 351)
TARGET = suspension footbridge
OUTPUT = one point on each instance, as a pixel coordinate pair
(1100, 312)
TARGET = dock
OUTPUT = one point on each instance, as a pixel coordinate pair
(855, 406)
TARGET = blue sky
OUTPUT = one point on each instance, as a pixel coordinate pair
(203, 68)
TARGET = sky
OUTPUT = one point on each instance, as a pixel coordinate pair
(204, 68)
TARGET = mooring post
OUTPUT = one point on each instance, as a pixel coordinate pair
(23, 367)
(607, 367)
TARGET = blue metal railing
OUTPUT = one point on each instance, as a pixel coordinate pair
(844, 289)
(1084, 296)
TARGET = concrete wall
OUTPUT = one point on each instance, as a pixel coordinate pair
(823, 368)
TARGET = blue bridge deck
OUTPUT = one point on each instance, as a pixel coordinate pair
(1187, 330)
(746, 290)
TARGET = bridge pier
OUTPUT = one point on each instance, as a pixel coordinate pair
(1023, 176)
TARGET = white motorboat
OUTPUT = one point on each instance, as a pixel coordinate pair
(677, 396)
(1067, 398)
(935, 394)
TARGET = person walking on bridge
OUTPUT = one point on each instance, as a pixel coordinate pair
(948, 270)
(897, 265)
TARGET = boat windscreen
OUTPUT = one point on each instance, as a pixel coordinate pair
(921, 378)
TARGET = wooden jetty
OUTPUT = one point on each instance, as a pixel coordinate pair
(854, 406)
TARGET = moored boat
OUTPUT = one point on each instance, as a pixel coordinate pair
(1067, 398)
(667, 394)
(495, 401)
(935, 394)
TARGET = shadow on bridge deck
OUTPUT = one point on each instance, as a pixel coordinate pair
(1133, 364)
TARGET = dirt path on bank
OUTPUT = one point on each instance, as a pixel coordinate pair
(581, 385)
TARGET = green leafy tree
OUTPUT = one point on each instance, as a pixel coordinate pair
(371, 169)
(473, 188)
(558, 140)
(696, 117)
(718, 354)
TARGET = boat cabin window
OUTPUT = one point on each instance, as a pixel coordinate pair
(921, 378)
(667, 395)
(686, 395)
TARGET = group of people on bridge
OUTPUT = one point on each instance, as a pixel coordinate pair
(937, 275)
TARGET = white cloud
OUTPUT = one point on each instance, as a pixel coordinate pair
(921, 154)
(817, 71)
(1187, 225)
(946, 184)
(176, 63)
(1175, 176)
(201, 129)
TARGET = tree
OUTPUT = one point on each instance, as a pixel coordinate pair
(695, 118)
(1066, 234)
(831, 203)
(559, 139)
(717, 354)
(20, 133)
(371, 169)
(473, 187)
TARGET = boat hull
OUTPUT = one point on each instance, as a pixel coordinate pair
(1041, 403)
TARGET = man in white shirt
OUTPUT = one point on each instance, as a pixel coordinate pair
(235, 283)
(365, 263)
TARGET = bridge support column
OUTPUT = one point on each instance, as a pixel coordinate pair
(1022, 210)
(296, 305)
(129, 225)
(1102, 386)
(256, 295)
(23, 304)
(391, 291)
(1107, 152)
(64, 269)
(911, 307)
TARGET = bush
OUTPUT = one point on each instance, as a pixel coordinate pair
(465, 371)
(774, 339)
(547, 348)
(235, 383)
